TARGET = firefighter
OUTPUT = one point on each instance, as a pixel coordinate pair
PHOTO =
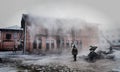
(92, 55)
(74, 52)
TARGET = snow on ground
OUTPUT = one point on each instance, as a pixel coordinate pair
(116, 53)
(103, 65)
(7, 68)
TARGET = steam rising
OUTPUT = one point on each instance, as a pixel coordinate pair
(60, 29)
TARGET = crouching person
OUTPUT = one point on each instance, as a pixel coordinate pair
(74, 53)
(92, 56)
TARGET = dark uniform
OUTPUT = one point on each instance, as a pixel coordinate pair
(74, 53)
(92, 55)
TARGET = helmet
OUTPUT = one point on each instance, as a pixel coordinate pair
(93, 48)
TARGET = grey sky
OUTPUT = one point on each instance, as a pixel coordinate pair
(105, 12)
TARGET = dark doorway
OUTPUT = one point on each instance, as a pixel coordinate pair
(40, 44)
(58, 43)
(47, 45)
(52, 44)
(34, 44)
(63, 43)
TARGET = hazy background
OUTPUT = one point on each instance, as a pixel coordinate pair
(102, 12)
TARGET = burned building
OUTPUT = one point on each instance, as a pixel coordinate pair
(52, 34)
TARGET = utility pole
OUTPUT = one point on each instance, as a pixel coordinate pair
(25, 28)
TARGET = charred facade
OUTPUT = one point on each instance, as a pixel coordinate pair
(49, 34)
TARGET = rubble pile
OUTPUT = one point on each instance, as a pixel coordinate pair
(105, 55)
(51, 68)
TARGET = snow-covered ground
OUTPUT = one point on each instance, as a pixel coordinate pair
(103, 65)
(7, 68)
